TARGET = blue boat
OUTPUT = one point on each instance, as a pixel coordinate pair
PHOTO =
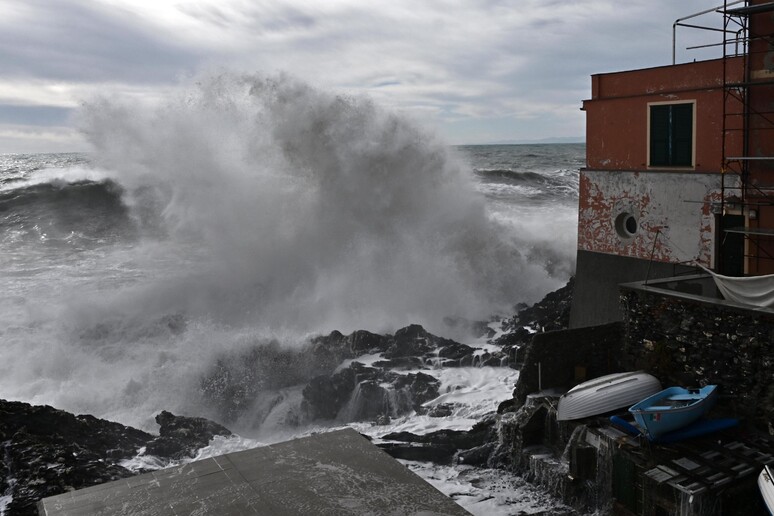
(672, 409)
(698, 428)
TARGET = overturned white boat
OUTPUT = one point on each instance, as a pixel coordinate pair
(766, 485)
(605, 394)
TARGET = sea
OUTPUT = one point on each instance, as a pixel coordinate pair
(246, 210)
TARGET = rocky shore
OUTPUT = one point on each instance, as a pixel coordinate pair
(46, 451)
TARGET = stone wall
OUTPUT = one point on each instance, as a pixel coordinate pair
(689, 342)
(568, 357)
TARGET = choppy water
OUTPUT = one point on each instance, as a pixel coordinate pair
(247, 209)
(250, 208)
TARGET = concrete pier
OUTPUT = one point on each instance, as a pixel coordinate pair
(335, 473)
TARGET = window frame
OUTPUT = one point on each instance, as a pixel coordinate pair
(650, 105)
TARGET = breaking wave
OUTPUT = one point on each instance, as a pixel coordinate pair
(322, 210)
(243, 210)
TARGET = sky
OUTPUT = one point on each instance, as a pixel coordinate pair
(475, 71)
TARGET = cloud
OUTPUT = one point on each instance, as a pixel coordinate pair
(83, 41)
(450, 64)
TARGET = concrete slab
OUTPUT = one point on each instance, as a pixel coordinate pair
(334, 473)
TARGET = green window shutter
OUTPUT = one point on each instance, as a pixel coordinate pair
(671, 135)
(682, 135)
(659, 136)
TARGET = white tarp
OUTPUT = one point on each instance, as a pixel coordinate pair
(749, 290)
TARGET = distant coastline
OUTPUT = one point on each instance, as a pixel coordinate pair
(541, 141)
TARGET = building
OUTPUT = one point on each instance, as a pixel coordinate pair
(680, 167)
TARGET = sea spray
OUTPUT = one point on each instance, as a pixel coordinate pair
(317, 211)
(241, 211)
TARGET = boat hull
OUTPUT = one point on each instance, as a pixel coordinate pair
(766, 486)
(606, 394)
(672, 409)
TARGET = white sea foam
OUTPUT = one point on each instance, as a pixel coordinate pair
(324, 211)
(266, 209)
(471, 393)
(486, 492)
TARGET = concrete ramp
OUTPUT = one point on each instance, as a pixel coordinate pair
(334, 473)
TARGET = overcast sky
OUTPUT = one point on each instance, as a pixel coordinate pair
(480, 71)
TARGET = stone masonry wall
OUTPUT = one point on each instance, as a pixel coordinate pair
(596, 350)
(690, 343)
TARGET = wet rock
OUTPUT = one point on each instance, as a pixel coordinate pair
(382, 419)
(549, 314)
(477, 456)
(236, 380)
(455, 351)
(422, 387)
(496, 359)
(48, 451)
(360, 393)
(441, 410)
(415, 341)
(438, 454)
(400, 363)
(460, 439)
(182, 436)
(363, 342)
(324, 396)
(441, 446)
(45, 451)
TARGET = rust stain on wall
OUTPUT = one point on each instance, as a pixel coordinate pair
(672, 212)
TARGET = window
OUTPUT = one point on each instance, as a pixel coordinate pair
(671, 135)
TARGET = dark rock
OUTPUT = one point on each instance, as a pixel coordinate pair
(519, 354)
(441, 446)
(509, 405)
(422, 387)
(415, 341)
(477, 456)
(235, 381)
(410, 341)
(324, 396)
(441, 410)
(438, 454)
(382, 419)
(517, 337)
(466, 361)
(182, 436)
(460, 439)
(549, 314)
(48, 451)
(360, 393)
(189, 428)
(400, 363)
(363, 342)
(455, 351)
(372, 401)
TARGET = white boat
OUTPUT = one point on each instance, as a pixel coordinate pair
(605, 394)
(766, 485)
